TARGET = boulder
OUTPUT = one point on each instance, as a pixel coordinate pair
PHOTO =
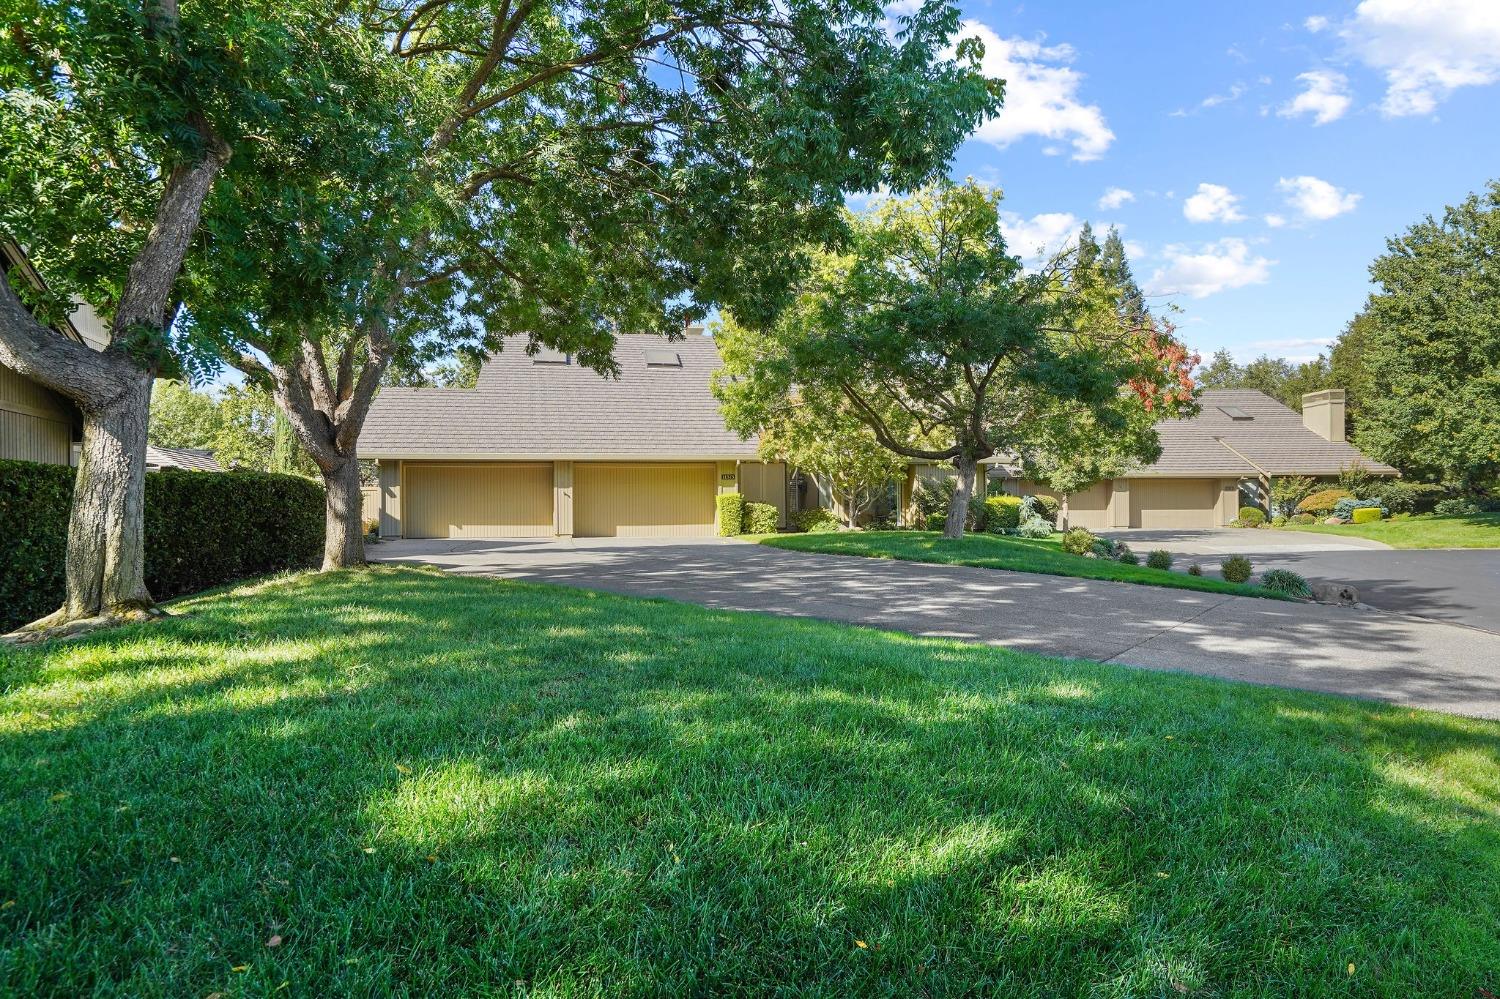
(1335, 593)
(1334, 520)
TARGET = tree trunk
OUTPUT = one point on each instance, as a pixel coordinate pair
(106, 552)
(958, 506)
(344, 538)
(1062, 513)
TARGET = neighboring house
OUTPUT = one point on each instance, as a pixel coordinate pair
(544, 447)
(192, 459)
(37, 424)
(1240, 440)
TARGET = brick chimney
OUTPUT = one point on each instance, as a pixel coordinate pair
(1323, 414)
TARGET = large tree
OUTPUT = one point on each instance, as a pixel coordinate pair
(1431, 347)
(928, 331)
(118, 122)
(588, 168)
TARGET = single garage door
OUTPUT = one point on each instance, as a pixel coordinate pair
(478, 500)
(637, 500)
(1173, 503)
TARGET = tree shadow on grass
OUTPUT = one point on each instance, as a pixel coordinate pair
(589, 795)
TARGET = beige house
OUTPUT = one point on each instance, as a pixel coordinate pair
(544, 447)
(1213, 463)
(37, 424)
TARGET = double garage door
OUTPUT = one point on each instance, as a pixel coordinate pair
(514, 499)
(1173, 503)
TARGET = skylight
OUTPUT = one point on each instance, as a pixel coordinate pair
(547, 355)
(1235, 413)
(658, 357)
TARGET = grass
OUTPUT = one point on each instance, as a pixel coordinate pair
(993, 551)
(1480, 530)
(415, 784)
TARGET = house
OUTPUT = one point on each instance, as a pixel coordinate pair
(544, 447)
(1214, 463)
(192, 459)
(37, 424)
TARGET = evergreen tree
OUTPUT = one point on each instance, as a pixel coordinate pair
(1117, 271)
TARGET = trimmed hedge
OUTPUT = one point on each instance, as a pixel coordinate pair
(202, 529)
(761, 518)
(1002, 513)
(815, 520)
(1251, 516)
(1322, 501)
(731, 514)
(1366, 514)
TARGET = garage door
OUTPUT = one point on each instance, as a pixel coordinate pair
(1173, 503)
(478, 500)
(638, 500)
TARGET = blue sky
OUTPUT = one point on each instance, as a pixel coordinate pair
(1268, 149)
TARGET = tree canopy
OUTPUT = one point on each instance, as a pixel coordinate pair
(929, 332)
(1430, 341)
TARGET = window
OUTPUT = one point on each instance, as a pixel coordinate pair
(1235, 413)
(658, 357)
(546, 355)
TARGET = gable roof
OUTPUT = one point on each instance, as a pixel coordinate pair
(1273, 439)
(524, 407)
(194, 459)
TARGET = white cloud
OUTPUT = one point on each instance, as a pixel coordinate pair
(1325, 96)
(1316, 23)
(1041, 95)
(1208, 269)
(1037, 238)
(1115, 197)
(1275, 221)
(1316, 199)
(1426, 48)
(1236, 91)
(1213, 202)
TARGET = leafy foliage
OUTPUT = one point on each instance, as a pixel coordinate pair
(1323, 501)
(1078, 541)
(1126, 556)
(1366, 514)
(1251, 516)
(815, 520)
(1033, 524)
(1432, 347)
(1159, 559)
(1236, 569)
(1002, 513)
(240, 425)
(1285, 581)
(760, 518)
(731, 514)
(202, 529)
(1400, 496)
(1289, 490)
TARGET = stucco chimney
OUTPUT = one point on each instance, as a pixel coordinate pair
(1323, 414)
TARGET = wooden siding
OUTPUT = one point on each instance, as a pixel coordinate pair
(35, 424)
(390, 499)
(765, 482)
(1174, 503)
(469, 500)
(635, 499)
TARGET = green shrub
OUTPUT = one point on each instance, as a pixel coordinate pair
(1033, 524)
(1251, 516)
(761, 518)
(1366, 515)
(1322, 501)
(202, 529)
(1398, 496)
(1048, 507)
(1344, 508)
(1285, 581)
(937, 521)
(1456, 506)
(814, 520)
(1078, 541)
(1104, 547)
(1279, 520)
(1125, 555)
(1159, 559)
(1002, 513)
(1304, 518)
(1236, 569)
(731, 514)
(1195, 569)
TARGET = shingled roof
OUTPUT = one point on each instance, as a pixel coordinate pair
(1269, 437)
(660, 407)
(194, 459)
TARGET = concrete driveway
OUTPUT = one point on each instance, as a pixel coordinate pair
(1460, 586)
(1353, 651)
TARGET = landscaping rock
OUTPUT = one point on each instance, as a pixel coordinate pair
(1334, 520)
(1335, 593)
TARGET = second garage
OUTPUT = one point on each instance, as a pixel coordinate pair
(639, 499)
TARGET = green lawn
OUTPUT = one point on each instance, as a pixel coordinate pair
(1480, 530)
(993, 551)
(429, 785)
